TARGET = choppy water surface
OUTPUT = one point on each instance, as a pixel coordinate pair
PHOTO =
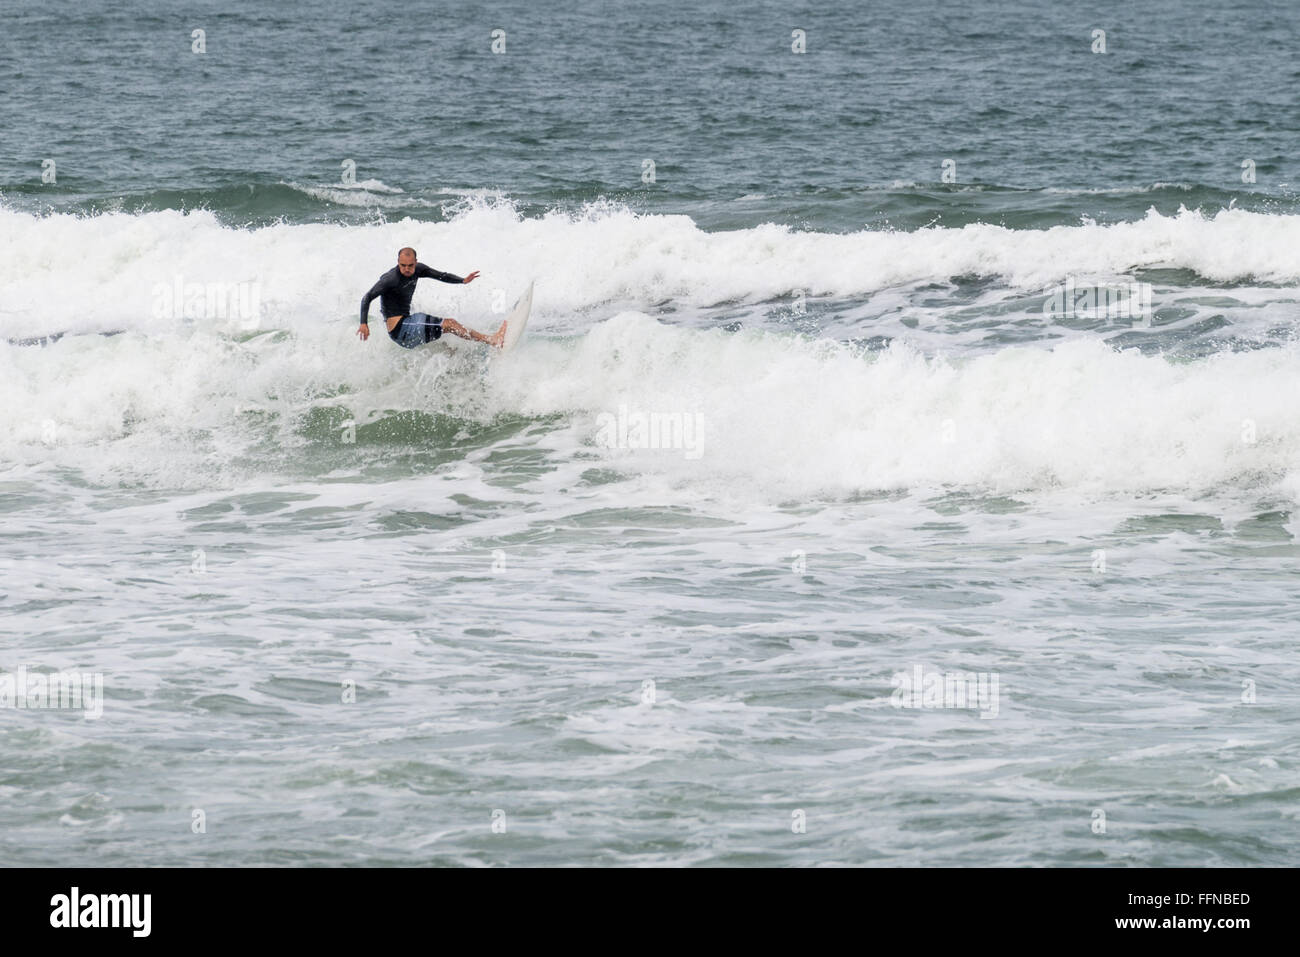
(794, 423)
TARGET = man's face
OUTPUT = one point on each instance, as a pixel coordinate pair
(406, 265)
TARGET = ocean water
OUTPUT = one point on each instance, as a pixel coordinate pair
(951, 346)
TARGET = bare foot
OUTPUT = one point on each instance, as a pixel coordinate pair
(498, 338)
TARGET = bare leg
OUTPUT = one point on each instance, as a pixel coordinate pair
(456, 329)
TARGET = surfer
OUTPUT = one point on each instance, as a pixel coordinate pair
(394, 291)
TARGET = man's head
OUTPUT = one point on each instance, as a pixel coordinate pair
(406, 261)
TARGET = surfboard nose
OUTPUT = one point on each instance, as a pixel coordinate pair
(517, 321)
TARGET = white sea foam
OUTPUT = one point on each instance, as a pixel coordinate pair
(368, 193)
(792, 417)
(605, 254)
(773, 415)
(177, 402)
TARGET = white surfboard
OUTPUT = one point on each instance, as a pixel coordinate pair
(517, 321)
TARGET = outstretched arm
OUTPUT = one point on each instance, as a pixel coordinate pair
(427, 272)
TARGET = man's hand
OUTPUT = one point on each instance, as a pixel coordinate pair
(471, 277)
(363, 331)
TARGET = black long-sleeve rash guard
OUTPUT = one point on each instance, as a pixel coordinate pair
(395, 291)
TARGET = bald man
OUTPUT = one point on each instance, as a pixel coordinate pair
(394, 291)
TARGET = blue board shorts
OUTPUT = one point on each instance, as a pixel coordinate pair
(416, 329)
